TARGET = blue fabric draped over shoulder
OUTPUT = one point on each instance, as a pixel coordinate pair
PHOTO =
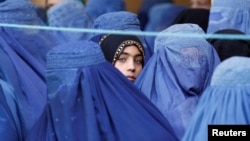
(23, 56)
(10, 124)
(121, 21)
(96, 101)
(229, 14)
(229, 96)
(70, 13)
(178, 72)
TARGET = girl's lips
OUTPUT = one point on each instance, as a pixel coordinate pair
(131, 78)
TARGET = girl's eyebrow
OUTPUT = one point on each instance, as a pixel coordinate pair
(125, 53)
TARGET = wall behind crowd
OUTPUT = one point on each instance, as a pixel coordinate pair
(132, 5)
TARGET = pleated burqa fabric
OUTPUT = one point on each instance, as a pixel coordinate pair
(69, 14)
(226, 101)
(91, 100)
(10, 129)
(23, 53)
(178, 72)
(229, 14)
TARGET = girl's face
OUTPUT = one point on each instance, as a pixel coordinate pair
(130, 62)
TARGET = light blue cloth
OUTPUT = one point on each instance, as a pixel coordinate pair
(121, 21)
(95, 8)
(69, 14)
(178, 72)
(228, 75)
(23, 58)
(229, 14)
(225, 101)
(91, 100)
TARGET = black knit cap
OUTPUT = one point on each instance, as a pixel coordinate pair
(113, 45)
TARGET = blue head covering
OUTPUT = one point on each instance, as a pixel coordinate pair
(146, 6)
(225, 101)
(12, 11)
(96, 101)
(120, 20)
(95, 8)
(177, 73)
(227, 74)
(229, 14)
(69, 13)
(160, 17)
(24, 53)
(23, 12)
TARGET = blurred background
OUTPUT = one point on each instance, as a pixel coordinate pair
(132, 5)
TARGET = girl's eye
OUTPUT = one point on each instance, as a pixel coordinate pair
(138, 61)
(122, 59)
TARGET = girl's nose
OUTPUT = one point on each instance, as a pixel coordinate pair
(131, 65)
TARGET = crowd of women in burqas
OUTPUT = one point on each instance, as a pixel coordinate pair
(59, 85)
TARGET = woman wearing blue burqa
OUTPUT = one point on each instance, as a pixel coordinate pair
(229, 14)
(123, 22)
(69, 14)
(23, 63)
(91, 100)
(225, 101)
(96, 8)
(178, 72)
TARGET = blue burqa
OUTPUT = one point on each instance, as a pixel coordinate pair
(96, 8)
(23, 53)
(160, 17)
(10, 129)
(146, 6)
(229, 14)
(178, 72)
(225, 101)
(91, 100)
(69, 14)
